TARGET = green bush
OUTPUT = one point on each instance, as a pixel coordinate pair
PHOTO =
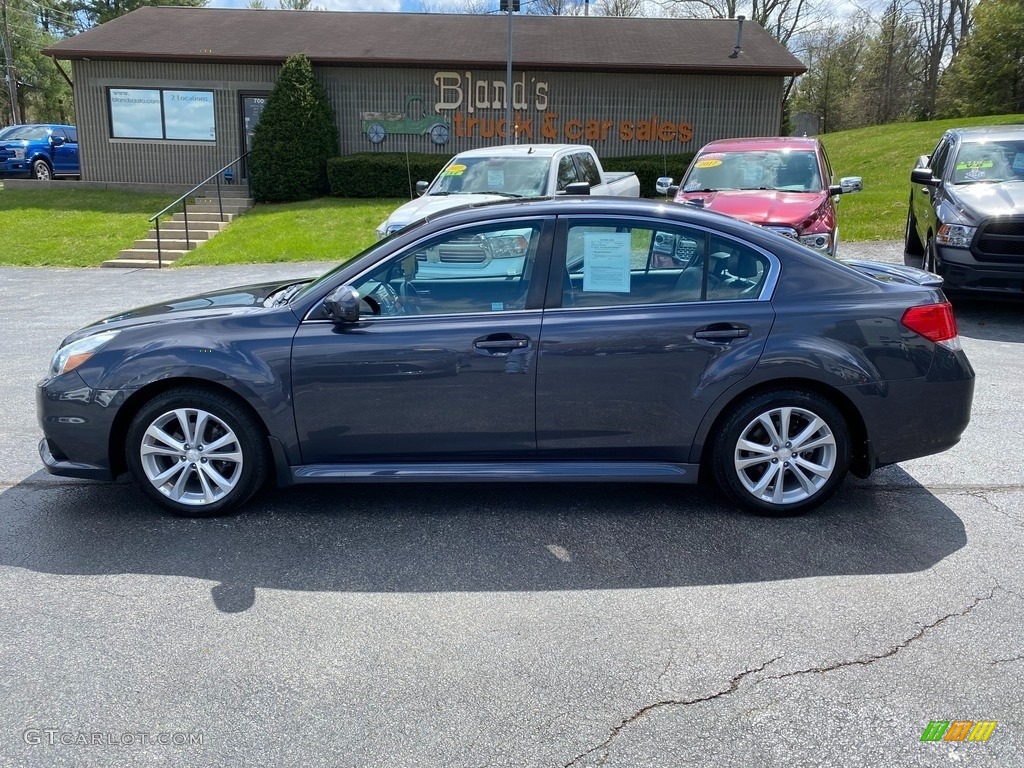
(296, 135)
(381, 174)
(384, 174)
(649, 167)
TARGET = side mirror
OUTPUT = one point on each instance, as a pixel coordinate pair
(663, 184)
(56, 141)
(342, 304)
(923, 176)
(851, 184)
(578, 188)
(421, 187)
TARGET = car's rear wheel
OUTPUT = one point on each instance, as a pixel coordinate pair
(913, 250)
(195, 452)
(781, 453)
(41, 170)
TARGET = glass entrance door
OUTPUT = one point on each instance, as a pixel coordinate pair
(252, 105)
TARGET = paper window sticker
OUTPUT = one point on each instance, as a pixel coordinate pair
(606, 257)
(1018, 161)
(495, 179)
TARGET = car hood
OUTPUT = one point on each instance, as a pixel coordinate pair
(989, 199)
(759, 206)
(227, 301)
(429, 204)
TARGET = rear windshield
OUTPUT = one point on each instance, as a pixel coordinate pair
(989, 161)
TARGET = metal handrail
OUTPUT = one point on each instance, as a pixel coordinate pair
(155, 218)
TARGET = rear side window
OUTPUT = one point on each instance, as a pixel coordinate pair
(72, 135)
(628, 264)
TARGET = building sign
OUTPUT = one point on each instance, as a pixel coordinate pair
(477, 107)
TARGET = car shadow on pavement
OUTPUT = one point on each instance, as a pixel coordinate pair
(478, 537)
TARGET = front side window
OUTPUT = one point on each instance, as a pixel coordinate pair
(477, 270)
(155, 113)
(566, 173)
(588, 169)
(614, 265)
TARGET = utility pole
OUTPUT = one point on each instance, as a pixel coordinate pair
(509, 5)
(12, 81)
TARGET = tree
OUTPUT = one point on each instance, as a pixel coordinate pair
(43, 94)
(832, 58)
(987, 77)
(295, 137)
(621, 7)
(887, 89)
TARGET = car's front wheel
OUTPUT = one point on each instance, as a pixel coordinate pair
(196, 452)
(781, 453)
(41, 170)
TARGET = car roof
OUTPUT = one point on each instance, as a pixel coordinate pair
(581, 205)
(990, 132)
(761, 143)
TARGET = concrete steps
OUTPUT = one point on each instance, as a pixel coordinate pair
(204, 220)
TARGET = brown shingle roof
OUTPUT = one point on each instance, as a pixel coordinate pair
(416, 39)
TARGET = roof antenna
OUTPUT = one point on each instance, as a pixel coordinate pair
(739, 38)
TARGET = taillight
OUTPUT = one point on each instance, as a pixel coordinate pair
(935, 322)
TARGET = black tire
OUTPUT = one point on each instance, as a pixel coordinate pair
(230, 447)
(739, 471)
(913, 250)
(41, 170)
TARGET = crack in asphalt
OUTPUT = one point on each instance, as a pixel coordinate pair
(892, 651)
(605, 746)
(1007, 661)
(734, 684)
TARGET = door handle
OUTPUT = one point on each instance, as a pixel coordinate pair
(722, 332)
(501, 343)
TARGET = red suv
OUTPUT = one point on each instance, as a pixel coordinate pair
(783, 184)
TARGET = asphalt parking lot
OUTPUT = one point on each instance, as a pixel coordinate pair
(473, 625)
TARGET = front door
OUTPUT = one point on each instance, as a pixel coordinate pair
(438, 367)
(251, 108)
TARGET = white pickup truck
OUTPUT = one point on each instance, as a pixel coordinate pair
(520, 170)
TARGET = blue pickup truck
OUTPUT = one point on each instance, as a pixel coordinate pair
(39, 151)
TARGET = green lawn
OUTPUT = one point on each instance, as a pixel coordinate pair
(71, 228)
(883, 156)
(330, 228)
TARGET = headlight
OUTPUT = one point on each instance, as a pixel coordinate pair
(956, 235)
(19, 154)
(69, 357)
(821, 241)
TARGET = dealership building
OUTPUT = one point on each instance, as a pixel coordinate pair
(169, 95)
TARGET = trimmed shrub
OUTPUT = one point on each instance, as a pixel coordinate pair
(294, 138)
(649, 167)
(382, 174)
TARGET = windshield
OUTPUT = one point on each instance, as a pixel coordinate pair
(516, 176)
(754, 169)
(24, 133)
(989, 161)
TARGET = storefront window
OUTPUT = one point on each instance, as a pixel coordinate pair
(137, 113)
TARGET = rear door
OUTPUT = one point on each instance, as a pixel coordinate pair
(649, 323)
